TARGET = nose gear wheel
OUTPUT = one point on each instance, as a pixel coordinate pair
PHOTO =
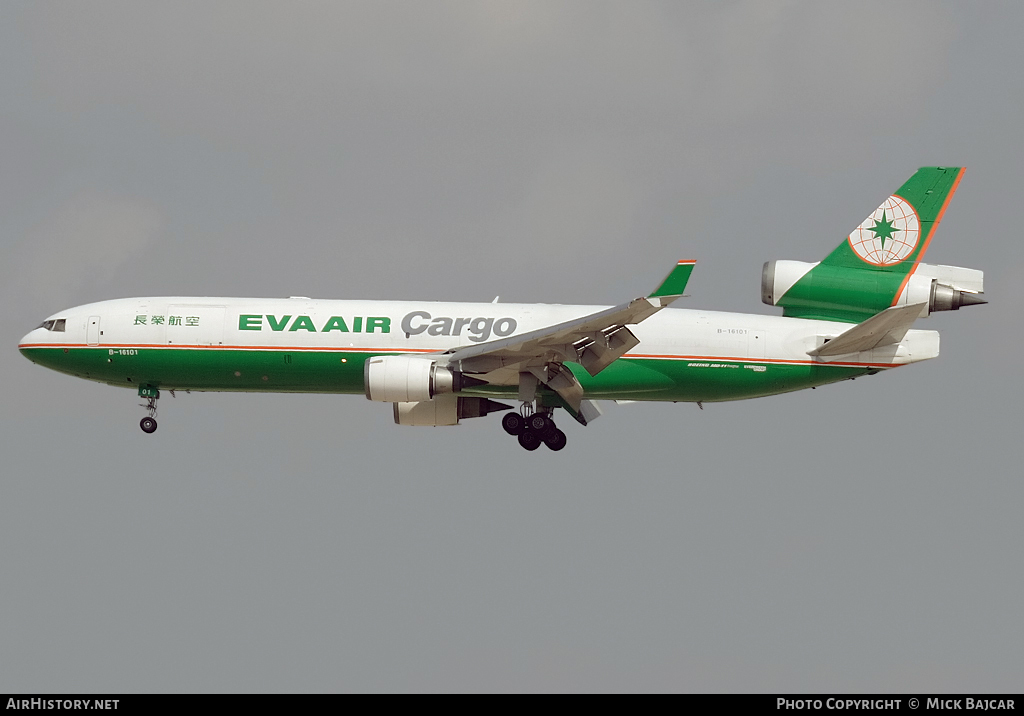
(151, 395)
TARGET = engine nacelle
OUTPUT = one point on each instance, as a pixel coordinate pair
(777, 277)
(402, 379)
(445, 409)
(944, 288)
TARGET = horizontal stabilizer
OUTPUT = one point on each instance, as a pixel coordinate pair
(885, 328)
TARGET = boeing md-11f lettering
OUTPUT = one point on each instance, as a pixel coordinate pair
(439, 363)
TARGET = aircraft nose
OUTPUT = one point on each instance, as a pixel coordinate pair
(27, 340)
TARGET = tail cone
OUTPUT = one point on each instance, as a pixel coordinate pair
(971, 299)
(947, 298)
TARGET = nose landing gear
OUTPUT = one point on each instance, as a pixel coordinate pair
(532, 429)
(151, 395)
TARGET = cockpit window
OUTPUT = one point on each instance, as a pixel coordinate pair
(58, 325)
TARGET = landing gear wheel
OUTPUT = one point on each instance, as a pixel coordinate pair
(541, 424)
(513, 423)
(556, 440)
(148, 425)
(529, 439)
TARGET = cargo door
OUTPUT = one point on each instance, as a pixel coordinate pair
(195, 325)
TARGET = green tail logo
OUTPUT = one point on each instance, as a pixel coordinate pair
(895, 236)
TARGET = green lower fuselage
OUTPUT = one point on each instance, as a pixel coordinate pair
(210, 369)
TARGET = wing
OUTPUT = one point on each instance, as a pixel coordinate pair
(593, 341)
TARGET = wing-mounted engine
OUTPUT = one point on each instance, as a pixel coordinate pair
(830, 292)
(445, 409)
(410, 378)
(423, 391)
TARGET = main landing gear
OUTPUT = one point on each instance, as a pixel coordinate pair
(151, 395)
(533, 429)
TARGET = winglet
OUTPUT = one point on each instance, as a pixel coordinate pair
(675, 283)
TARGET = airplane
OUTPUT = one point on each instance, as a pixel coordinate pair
(846, 316)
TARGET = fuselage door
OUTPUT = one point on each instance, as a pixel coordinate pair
(92, 331)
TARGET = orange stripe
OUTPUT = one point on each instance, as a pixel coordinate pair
(776, 361)
(654, 356)
(935, 226)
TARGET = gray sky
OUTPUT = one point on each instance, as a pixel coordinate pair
(860, 537)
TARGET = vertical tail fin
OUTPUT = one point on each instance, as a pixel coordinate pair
(869, 270)
(895, 236)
